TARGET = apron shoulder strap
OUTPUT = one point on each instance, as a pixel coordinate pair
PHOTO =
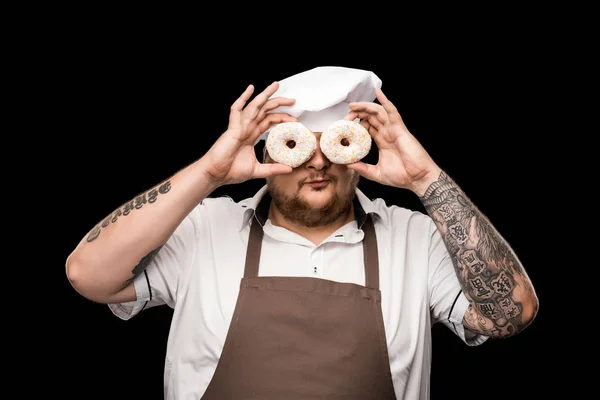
(254, 248)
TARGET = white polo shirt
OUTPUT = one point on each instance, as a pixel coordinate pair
(198, 273)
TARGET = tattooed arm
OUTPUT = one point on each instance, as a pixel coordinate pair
(106, 261)
(501, 296)
(104, 264)
(502, 299)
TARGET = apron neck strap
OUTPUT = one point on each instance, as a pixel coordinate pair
(371, 255)
(254, 248)
(370, 251)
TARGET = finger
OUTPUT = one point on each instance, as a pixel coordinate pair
(364, 116)
(254, 106)
(369, 106)
(271, 119)
(273, 104)
(239, 104)
(271, 169)
(371, 129)
(385, 102)
(368, 109)
(368, 171)
(351, 116)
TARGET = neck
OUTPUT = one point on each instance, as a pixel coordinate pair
(315, 234)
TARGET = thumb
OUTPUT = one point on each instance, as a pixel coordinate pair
(368, 171)
(270, 169)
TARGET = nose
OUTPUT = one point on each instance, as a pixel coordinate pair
(318, 161)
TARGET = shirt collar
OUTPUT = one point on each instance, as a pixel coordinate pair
(258, 206)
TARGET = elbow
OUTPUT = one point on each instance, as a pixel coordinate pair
(506, 326)
(530, 310)
(84, 281)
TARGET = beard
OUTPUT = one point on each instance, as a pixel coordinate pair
(294, 209)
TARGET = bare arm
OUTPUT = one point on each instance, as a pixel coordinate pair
(106, 261)
(122, 245)
(503, 301)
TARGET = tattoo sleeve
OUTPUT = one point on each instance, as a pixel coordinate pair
(492, 278)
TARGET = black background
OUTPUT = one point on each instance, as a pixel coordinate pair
(139, 101)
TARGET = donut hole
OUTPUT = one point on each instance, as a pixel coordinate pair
(345, 142)
(291, 144)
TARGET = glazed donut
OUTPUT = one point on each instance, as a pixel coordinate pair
(291, 143)
(345, 142)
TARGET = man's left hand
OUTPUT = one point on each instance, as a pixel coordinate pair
(403, 162)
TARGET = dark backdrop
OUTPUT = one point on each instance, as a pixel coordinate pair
(139, 106)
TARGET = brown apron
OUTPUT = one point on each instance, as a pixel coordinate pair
(305, 338)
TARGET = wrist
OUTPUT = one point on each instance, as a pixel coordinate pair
(420, 186)
(206, 178)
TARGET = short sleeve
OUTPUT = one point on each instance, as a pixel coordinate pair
(448, 303)
(166, 275)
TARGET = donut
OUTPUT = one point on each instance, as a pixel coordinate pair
(291, 143)
(345, 142)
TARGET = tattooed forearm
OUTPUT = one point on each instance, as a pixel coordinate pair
(136, 203)
(490, 274)
(141, 266)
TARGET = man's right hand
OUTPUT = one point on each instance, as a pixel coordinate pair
(103, 271)
(232, 158)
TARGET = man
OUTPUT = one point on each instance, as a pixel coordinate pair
(308, 289)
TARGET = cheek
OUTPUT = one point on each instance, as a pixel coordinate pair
(283, 184)
(346, 177)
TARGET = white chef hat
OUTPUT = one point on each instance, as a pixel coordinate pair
(322, 95)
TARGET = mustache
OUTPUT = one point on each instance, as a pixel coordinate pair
(314, 177)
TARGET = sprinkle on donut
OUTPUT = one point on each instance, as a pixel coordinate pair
(345, 142)
(291, 143)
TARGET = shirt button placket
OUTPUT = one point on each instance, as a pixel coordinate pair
(315, 268)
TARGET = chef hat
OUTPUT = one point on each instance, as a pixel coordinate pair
(322, 95)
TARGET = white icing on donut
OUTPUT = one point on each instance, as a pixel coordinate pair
(359, 142)
(304, 140)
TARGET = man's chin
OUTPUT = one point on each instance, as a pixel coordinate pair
(316, 199)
